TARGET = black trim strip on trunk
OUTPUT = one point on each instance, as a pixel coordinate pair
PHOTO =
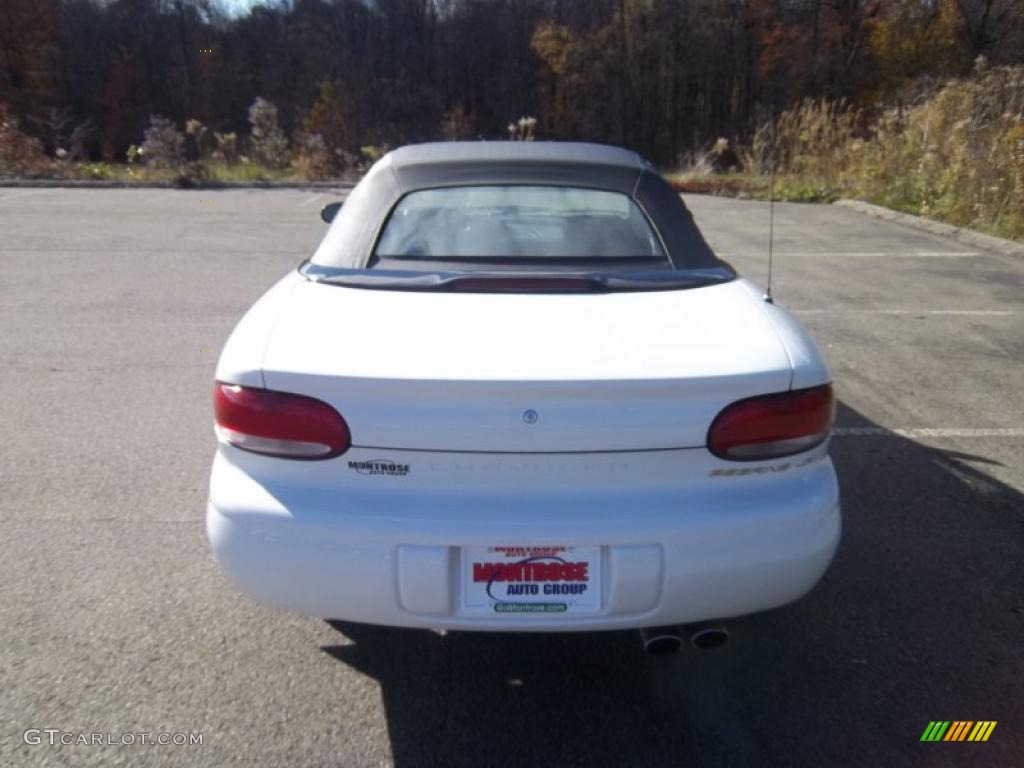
(526, 453)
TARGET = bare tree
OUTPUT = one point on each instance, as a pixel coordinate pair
(989, 23)
(62, 132)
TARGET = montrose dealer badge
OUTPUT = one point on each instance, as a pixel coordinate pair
(540, 580)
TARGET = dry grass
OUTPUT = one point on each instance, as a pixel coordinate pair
(727, 184)
(20, 154)
(956, 156)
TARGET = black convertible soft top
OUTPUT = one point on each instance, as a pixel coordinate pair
(347, 249)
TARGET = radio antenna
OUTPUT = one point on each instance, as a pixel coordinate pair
(771, 216)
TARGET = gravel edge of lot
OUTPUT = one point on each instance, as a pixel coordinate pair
(961, 234)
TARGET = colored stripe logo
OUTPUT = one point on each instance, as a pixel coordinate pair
(958, 730)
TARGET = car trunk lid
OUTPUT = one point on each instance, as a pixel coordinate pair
(526, 372)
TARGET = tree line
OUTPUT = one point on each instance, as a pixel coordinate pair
(665, 77)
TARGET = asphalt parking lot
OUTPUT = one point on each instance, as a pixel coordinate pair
(114, 305)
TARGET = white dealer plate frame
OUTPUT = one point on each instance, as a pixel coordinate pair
(532, 580)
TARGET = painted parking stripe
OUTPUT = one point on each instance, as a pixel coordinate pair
(927, 432)
(951, 312)
(312, 199)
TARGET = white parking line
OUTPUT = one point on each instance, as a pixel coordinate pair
(976, 482)
(313, 199)
(928, 432)
(951, 312)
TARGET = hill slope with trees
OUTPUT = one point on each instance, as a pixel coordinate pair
(316, 89)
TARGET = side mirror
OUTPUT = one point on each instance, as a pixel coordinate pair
(329, 211)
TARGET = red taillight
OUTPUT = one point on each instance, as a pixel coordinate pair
(278, 423)
(771, 426)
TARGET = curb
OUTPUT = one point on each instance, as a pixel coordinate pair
(87, 184)
(960, 234)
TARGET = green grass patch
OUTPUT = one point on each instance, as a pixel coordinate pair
(191, 174)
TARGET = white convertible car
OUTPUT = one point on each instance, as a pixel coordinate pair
(515, 390)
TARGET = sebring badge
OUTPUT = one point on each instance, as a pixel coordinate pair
(530, 416)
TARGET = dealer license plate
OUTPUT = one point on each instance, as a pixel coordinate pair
(531, 580)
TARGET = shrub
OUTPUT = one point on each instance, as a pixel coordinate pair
(193, 173)
(335, 119)
(97, 171)
(226, 147)
(62, 132)
(19, 153)
(269, 145)
(371, 153)
(164, 144)
(718, 158)
(522, 129)
(314, 160)
(200, 143)
(457, 124)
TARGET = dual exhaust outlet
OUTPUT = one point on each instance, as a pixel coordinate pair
(664, 641)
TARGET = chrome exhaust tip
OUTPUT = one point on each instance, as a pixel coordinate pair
(707, 636)
(661, 641)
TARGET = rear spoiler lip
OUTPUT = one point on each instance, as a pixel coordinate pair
(517, 282)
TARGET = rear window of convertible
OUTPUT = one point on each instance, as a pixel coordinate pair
(481, 223)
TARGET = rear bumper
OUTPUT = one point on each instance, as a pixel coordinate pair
(667, 558)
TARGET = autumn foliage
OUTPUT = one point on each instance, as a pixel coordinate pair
(336, 81)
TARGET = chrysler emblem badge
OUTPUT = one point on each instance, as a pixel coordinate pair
(530, 416)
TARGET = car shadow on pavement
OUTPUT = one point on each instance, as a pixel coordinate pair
(920, 618)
